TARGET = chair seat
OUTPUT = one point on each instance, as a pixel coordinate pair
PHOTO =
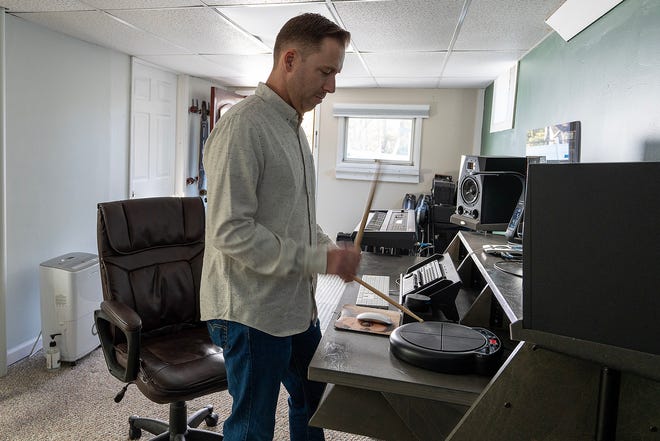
(178, 366)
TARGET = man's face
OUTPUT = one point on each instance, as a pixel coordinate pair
(314, 75)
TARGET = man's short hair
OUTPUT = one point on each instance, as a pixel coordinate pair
(308, 31)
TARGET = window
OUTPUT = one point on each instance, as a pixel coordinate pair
(390, 134)
(504, 99)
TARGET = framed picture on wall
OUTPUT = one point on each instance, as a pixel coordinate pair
(558, 142)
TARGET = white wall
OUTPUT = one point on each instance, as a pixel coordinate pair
(66, 150)
(452, 130)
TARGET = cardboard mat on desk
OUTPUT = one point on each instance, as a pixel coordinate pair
(348, 321)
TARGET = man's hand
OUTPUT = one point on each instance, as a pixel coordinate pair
(344, 262)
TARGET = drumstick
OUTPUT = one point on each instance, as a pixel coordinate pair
(367, 209)
(387, 299)
(358, 240)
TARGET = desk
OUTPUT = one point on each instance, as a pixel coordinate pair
(537, 393)
(373, 393)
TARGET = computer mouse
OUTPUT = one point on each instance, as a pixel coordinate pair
(374, 317)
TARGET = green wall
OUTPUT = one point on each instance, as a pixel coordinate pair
(607, 77)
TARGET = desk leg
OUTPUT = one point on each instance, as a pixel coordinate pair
(385, 416)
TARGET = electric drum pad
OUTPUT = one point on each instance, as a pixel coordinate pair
(447, 347)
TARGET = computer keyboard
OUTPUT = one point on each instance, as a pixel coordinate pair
(368, 298)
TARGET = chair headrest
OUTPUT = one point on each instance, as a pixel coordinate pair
(139, 224)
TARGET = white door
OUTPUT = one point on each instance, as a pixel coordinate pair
(153, 131)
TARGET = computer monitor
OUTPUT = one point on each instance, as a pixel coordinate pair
(591, 258)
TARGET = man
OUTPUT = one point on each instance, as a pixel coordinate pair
(263, 246)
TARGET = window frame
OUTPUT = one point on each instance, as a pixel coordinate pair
(364, 170)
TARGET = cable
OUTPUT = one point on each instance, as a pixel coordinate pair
(498, 266)
(466, 257)
(35, 344)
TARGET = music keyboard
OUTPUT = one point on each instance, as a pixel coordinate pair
(389, 229)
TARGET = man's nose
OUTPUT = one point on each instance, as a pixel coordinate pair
(329, 85)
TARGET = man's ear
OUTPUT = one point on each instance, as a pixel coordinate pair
(289, 58)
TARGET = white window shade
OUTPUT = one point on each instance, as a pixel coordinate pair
(381, 110)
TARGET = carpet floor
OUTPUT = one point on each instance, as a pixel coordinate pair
(76, 402)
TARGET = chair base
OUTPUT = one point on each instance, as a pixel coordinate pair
(179, 427)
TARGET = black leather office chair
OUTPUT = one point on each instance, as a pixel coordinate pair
(150, 253)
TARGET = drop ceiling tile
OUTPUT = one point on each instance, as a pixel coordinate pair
(141, 4)
(200, 30)
(254, 67)
(396, 25)
(403, 42)
(410, 82)
(237, 82)
(353, 67)
(505, 24)
(188, 64)
(99, 28)
(464, 82)
(43, 6)
(354, 82)
(404, 64)
(489, 64)
(266, 21)
(256, 2)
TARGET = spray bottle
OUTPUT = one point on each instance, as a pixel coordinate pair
(53, 354)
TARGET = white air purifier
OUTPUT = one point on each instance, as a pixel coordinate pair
(70, 292)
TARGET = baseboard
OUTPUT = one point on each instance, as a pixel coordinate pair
(17, 353)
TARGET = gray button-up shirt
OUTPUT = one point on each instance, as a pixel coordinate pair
(262, 241)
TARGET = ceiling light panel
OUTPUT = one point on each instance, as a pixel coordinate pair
(200, 30)
(510, 25)
(266, 21)
(574, 16)
(412, 25)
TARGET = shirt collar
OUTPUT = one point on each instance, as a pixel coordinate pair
(278, 104)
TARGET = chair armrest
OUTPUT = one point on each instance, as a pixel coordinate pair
(117, 316)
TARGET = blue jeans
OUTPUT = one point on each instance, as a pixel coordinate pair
(256, 364)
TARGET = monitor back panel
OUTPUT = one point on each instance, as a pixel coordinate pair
(592, 249)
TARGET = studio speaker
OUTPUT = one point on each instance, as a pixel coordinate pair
(486, 202)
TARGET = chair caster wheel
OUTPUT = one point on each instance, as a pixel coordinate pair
(212, 420)
(133, 432)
